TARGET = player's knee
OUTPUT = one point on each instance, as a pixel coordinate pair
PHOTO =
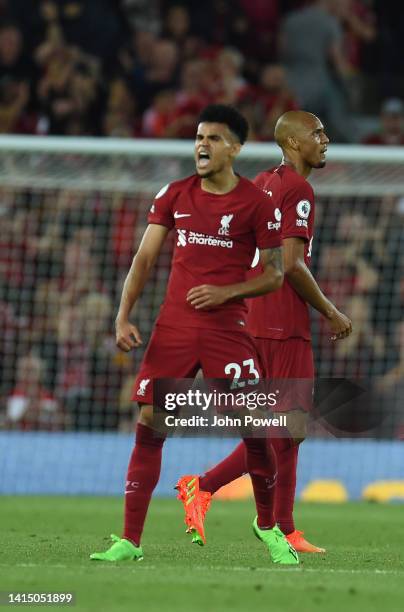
(146, 416)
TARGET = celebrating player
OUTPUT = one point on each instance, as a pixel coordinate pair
(220, 219)
(280, 323)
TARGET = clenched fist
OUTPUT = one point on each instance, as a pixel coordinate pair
(127, 335)
(341, 325)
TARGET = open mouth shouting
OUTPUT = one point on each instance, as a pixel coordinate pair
(202, 160)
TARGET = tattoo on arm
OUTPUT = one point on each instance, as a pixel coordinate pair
(274, 258)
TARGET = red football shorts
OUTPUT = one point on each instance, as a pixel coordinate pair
(290, 359)
(179, 352)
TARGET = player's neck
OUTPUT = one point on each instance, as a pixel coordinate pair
(220, 183)
(297, 164)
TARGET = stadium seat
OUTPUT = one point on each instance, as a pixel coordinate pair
(325, 491)
(384, 491)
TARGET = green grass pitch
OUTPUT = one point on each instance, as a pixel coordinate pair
(45, 543)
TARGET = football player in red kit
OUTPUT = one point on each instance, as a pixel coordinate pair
(220, 219)
(280, 321)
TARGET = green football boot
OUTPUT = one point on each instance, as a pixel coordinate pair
(279, 548)
(121, 550)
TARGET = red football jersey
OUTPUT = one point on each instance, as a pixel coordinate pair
(283, 313)
(217, 236)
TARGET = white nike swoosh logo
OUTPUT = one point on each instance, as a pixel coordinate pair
(178, 215)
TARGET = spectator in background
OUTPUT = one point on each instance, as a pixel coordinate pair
(73, 377)
(263, 17)
(157, 119)
(76, 210)
(388, 60)
(359, 22)
(385, 251)
(352, 284)
(17, 271)
(15, 74)
(106, 366)
(31, 406)
(158, 74)
(274, 98)
(124, 220)
(177, 27)
(311, 50)
(43, 329)
(13, 62)
(134, 58)
(68, 90)
(231, 83)
(3, 8)
(120, 114)
(391, 125)
(9, 328)
(14, 98)
(248, 107)
(126, 417)
(363, 354)
(391, 387)
(72, 21)
(143, 14)
(197, 84)
(80, 275)
(177, 24)
(232, 25)
(89, 370)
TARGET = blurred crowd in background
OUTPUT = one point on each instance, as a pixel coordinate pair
(65, 253)
(145, 68)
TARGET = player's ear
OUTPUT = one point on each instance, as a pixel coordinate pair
(293, 143)
(236, 148)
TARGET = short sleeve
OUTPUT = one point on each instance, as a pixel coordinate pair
(297, 211)
(161, 211)
(267, 223)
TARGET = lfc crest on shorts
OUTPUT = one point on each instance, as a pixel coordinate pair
(142, 386)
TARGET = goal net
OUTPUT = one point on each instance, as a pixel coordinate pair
(72, 212)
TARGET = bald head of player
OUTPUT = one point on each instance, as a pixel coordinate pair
(303, 141)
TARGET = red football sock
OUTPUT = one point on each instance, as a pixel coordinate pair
(261, 465)
(226, 471)
(286, 458)
(142, 477)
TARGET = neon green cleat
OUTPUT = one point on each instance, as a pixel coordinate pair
(279, 548)
(196, 538)
(121, 550)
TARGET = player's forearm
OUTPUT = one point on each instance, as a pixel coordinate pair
(304, 283)
(149, 249)
(270, 280)
(134, 284)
